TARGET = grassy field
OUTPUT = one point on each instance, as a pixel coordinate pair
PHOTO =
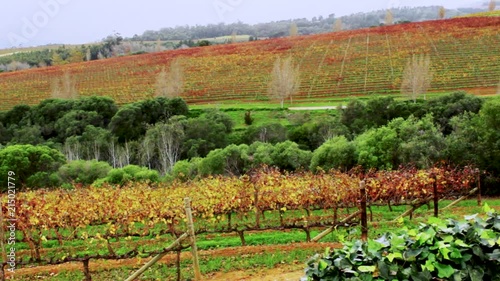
(484, 14)
(224, 253)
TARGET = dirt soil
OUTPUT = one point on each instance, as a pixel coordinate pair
(281, 273)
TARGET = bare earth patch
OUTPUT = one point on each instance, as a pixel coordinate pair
(281, 273)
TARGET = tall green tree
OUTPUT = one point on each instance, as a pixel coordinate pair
(33, 165)
(337, 153)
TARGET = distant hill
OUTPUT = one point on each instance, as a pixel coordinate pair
(315, 25)
(465, 54)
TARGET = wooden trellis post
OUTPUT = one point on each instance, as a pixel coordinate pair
(189, 234)
(192, 239)
(364, 219)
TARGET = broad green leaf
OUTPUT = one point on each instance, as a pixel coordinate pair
(425, 275)
(471, 217)
(461, 243)
(444, 271)
(412, 232)
(366, 268)
(455, 254)
(476, 274)
(398, 243)
(411, 255)
(327, 251)
(423, 237)
(383, 270)
(374, 245)
(445, 252)
(448, 238)
(487, 208)
(495, 256)
(393, 256)
(384, 240)
(322, 265)
(429, 265)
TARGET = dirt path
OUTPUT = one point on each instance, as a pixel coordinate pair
(281, 273)
(286, 272)
(315, 108)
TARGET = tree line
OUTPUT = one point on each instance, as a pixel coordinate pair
(169, 141)
(305, 26)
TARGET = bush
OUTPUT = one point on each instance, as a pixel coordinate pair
(337, 153)
(439, 250)
(231, 160)
(27, 161)
(186, 170)
(129, 173)
(43, 180)
(248, 118)
(83, 172)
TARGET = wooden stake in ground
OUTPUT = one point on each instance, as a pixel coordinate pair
(460, 199)
(331, 229)
(192, 238)
(174, 245)
(479, 199)
(415, 205)
(436, 197)
(364, 221)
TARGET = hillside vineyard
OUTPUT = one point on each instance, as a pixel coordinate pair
(465, 54)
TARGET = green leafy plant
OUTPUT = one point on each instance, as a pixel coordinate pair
(438, 250)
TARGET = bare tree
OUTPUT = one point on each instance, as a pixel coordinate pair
(167, 138)
(159, 45)
(442, 13)
(170, 83)
(234, 36)
(147, 150)
(72, 149)
(294, 29)
(417, 76)
(64, 87)
(88, 55)
(15, 66)
(285, 80)
(389, 18)
(113, 152)
(337, 26)
(492, 6)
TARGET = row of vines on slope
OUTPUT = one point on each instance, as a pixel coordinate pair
(121, 209)
(464, 53)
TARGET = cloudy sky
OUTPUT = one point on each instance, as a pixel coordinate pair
(38, 22)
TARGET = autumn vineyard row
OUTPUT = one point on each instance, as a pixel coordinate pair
(120, 209)
(465, 54)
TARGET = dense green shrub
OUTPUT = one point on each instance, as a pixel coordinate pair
(83, 172)
(130, 173)
(43, 180)
(186, 169)
(337, 153)
(26, 161)
(439, 250)
(288, 156)
(231, 160)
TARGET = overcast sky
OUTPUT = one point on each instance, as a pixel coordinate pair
(39, 22)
